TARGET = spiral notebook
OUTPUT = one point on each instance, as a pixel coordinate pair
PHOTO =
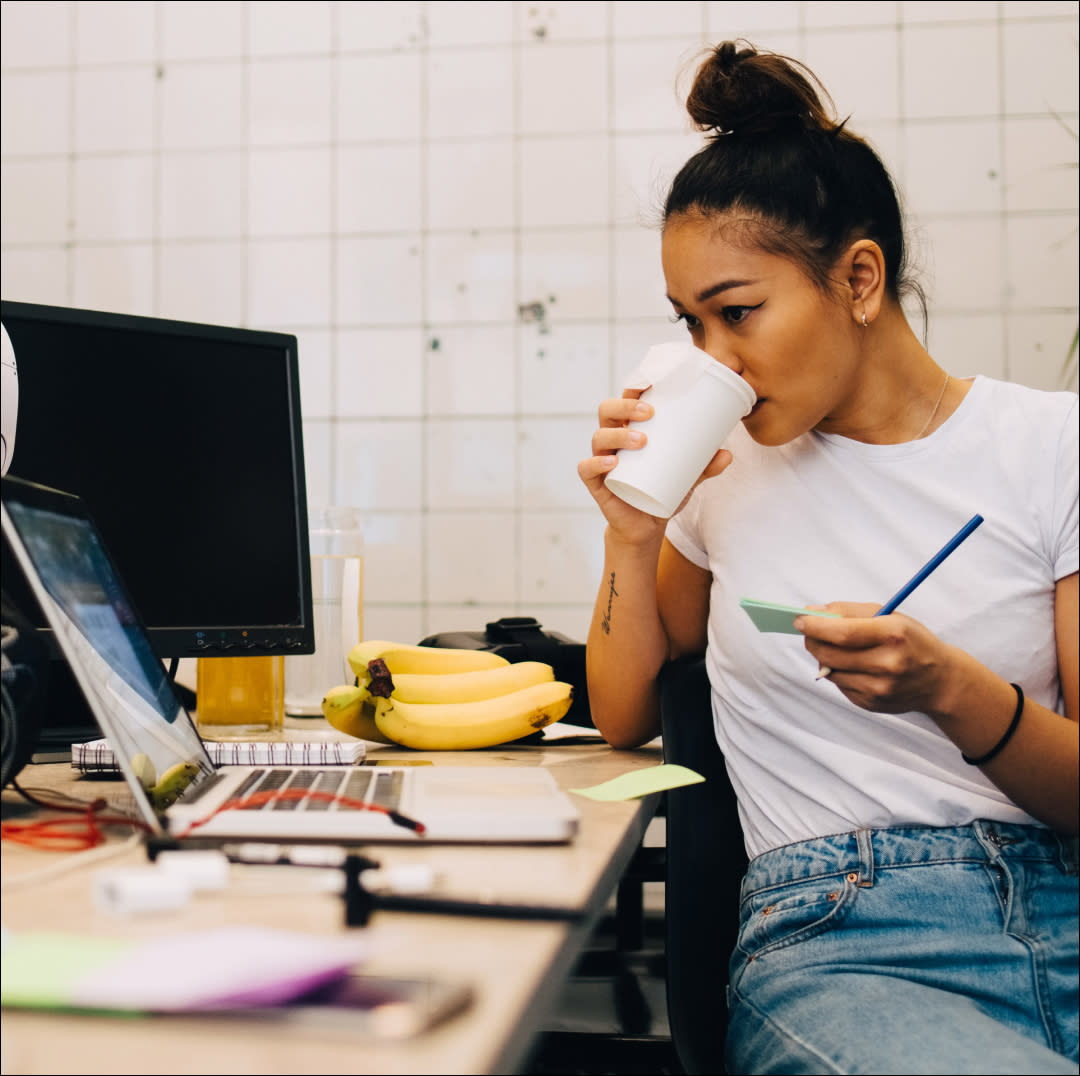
(97, 756)
(100, 633)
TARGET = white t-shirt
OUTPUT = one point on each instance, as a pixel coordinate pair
(825, 518)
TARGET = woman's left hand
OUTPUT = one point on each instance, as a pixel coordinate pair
(889, 664)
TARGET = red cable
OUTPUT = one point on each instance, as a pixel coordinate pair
(259, 799)
(83, 833)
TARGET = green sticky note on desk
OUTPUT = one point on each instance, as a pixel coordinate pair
(41, 969)
(771, 616)
(638, 783)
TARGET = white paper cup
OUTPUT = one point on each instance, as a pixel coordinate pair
(697, 402)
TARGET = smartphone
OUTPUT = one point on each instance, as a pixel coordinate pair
(771, 616)
(375, 1006)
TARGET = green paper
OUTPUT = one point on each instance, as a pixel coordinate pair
(771, 616)
(41, 969)
(638, 783)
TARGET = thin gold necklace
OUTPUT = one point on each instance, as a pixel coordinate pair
(941, 396)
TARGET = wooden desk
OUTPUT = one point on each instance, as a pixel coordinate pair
(516, 967)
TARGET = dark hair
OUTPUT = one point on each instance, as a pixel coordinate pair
(808, 187)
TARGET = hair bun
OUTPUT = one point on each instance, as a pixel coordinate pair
(740, 90)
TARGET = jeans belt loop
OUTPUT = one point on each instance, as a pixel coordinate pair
(864, 839)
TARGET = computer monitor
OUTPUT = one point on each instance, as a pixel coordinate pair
(185, 441)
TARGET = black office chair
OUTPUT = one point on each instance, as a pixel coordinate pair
(701, 864)
(705, 862)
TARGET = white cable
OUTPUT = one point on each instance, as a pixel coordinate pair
(73, 861)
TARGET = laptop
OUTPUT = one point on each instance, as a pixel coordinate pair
(100, 634)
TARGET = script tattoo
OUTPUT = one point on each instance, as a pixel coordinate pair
(605, 620)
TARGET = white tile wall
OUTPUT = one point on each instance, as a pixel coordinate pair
(470, 370)
(113, 198)
(470, 465)
(116, 276)
(289, 281)
(469, 92)
(316, 370)
(204, 194)
(289, 101)
(453, 206)
(201, 281)
(114, 109)
(563, 88)
(935, 85)
(35, 36)
(565, 182)
(201, 29)
(203, 106)
(118, 33)
(469, 184)
(392, 24)
(972, 181)
(380, 372)
(759, 19)
(287, 29)
(561, 364)
(34, 203)
(35, 113)
(860, 67)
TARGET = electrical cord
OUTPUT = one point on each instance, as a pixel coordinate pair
(71, 863)
(66, 834)
(260, 799)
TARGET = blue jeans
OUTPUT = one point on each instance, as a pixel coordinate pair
(949, 950)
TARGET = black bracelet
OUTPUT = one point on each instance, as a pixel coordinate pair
(982, 759)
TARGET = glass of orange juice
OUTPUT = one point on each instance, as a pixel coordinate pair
(239, 696)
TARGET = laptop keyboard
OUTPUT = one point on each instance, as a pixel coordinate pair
(382, 789)
(367, 785)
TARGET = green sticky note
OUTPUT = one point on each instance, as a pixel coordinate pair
(771, 616)
(43, 969)
(638, 783)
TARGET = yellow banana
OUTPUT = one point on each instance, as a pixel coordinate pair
(407, 658)
(469, 686)
(461, 726)
(172, 784)
(349, 709)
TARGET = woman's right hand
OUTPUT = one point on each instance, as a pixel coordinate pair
(614, 434)
(626, 522)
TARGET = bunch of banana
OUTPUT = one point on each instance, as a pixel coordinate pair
(442, 699)
(429, 660)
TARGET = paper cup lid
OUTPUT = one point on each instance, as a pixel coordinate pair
(679, 359)
(724, 373)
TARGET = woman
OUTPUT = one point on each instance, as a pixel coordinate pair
(911, 901)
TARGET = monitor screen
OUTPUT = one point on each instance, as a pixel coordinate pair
(185, 441)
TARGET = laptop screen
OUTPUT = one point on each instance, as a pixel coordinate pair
(100, 632)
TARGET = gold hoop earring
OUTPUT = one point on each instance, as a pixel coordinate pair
(865, 323)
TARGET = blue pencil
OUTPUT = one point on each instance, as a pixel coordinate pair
(920, 575)
(929, 566)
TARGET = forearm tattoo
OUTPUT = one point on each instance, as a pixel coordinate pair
(605, 620)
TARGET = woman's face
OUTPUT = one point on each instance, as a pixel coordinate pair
(760, 315)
